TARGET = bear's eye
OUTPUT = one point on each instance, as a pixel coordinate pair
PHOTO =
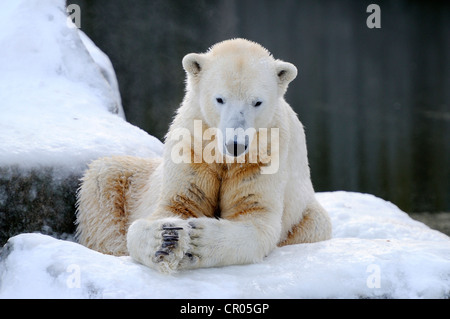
(258, 103)
(219, 100)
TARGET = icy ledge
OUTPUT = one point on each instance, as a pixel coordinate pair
(377, 251)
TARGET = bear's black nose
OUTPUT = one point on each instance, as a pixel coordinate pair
(236, 148)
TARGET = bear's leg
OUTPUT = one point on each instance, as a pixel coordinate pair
(314, 226)
(171, 244)
(105, 206)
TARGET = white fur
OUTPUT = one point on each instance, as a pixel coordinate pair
(240, 73)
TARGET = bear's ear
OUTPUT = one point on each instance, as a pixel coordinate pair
(193, 63)
(286, 72)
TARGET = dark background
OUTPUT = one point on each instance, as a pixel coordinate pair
(375, 103)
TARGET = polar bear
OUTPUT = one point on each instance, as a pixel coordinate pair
(213, 199)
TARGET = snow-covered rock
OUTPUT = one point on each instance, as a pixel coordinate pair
(377, 251)
(60, 108)
(57, 107)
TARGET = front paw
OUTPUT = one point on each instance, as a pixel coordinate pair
(166, 245)
(177, 246)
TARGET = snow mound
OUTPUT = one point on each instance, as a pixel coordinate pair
(60, 104)
(377, 251)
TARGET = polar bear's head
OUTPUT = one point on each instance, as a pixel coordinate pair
(238, 85)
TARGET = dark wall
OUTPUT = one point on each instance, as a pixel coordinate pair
(375, 102)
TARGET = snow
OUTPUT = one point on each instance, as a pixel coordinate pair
(391, 256)
(60, 107)
(60, 104)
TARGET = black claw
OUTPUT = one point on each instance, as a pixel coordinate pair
(169, 244)
(170, 237)
(172, 228)
(192, 224)
(161, 253)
